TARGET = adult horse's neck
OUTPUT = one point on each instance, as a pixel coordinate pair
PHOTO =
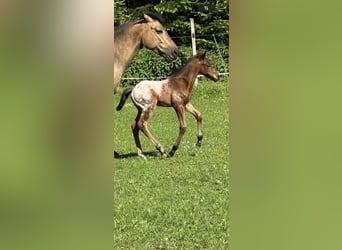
(127, 42)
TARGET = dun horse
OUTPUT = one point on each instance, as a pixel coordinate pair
(176, 92)
(130, 37)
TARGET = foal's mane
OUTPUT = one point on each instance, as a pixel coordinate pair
(153, 15)
(182, 67)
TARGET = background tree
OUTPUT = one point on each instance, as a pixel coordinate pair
(120, 12)
(211, 16)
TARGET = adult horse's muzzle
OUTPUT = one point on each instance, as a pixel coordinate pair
(170, 55)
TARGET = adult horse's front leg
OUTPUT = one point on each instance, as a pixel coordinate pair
(135, 131)
(180, 110)
(118, 70)
(191, 109)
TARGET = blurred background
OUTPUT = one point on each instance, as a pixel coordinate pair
(56, 122)
(285, 124)
(56, 78)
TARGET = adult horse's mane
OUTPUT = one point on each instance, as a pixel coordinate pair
(153, 15)
(181, 68)
(122, 27)
(156, 16)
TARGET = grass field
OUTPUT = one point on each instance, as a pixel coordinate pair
(180, 202)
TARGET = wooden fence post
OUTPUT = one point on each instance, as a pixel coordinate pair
(193, 41)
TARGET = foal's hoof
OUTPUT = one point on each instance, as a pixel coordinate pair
(142, 156)
(173, 151)
(171, 154)
(199, 141)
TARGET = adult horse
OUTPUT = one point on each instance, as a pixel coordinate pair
(147, 32)
(175, 91)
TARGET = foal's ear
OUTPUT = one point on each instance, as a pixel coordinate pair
(203, 55)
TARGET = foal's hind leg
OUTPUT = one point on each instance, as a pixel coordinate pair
(142, 123)
(191, 109)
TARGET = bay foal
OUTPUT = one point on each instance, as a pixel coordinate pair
(175, 91)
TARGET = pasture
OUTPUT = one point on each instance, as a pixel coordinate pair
(179, 202)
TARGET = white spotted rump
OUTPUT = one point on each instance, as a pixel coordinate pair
(141, 94)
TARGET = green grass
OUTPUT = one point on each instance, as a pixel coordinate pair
(179, 202)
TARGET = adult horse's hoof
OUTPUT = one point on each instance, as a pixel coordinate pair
(116, 154)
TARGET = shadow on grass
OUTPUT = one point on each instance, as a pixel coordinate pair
(135, 155)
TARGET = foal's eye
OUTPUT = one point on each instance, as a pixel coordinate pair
(159, 31)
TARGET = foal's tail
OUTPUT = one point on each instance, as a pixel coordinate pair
(124, 97)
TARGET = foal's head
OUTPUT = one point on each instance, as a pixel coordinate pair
(156, 38)
(205, 67)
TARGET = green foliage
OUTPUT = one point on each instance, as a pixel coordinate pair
(148, 65)
(168, 7)
(120, 12)
(213, 21)
(179, 202)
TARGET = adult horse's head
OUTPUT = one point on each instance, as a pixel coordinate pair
(156, 38)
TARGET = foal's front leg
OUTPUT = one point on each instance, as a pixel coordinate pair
(180, 110)
(191, 109)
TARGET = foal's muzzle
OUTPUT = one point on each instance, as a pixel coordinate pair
(215, 77)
